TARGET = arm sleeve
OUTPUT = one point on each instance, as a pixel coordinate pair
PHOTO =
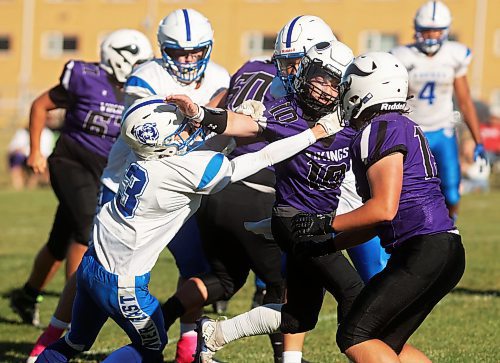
(248, 164)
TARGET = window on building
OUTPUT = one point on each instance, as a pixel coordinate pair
(258, 44)
(4, 43)
(376, 41)
(56, 44)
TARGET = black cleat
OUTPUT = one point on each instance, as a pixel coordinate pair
(26, 307)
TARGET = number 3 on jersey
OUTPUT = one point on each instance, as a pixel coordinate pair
(132, 187)
(427, 92)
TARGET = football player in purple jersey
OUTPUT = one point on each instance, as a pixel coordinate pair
(232, 250)
(92, 95)
(308, 181)
(396, 175)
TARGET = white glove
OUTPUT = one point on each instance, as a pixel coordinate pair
(331, 123)
(254, 109)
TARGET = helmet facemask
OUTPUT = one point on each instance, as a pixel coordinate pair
(427, 45)
(287, 66)
(292, 43)
(186, 72)
(432, 16)
(180, 33)
(155, 130)
(316, 87)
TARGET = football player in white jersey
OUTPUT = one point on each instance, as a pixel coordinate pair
(185, 38)
(159, 192)
(437, 68)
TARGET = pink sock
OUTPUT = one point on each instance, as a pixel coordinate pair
(49, 336)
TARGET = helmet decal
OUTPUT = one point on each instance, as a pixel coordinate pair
(146, 133)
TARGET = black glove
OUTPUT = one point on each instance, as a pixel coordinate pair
(309, 224)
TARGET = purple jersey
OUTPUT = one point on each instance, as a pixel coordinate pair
(309, 181)
(94, 105)
(251, 82)
(422, 209)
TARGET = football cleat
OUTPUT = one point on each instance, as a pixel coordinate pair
(209, 340)
(26, 307)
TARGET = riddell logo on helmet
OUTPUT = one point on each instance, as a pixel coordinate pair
(392, 106)
(288, 50)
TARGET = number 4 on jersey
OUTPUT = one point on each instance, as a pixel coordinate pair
(427, 92)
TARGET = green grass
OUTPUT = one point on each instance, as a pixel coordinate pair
(464, 327)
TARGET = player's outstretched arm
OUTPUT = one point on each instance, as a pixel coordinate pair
(248, 164)
(218, 120)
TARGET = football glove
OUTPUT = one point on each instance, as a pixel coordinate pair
(331, 123)
(254, 109)
(310, 224)
(479, 152)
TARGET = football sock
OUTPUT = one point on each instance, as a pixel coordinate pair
(265, 319)
(188, 328)
(277, 344)
(292, 356)
(172, 309)
(58, 324)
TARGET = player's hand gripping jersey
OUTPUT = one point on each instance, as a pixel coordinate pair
(431, 82)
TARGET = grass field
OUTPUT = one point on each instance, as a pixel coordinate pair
(464, 327)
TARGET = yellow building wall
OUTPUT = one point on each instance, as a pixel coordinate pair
(23, 79)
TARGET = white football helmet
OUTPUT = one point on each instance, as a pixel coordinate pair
(374, 80)
(295, 39)
(152, 129)
(327, 60)
(433, 15)
(185, 29)
(122, 50)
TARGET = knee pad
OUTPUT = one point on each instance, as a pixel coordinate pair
(292, 323)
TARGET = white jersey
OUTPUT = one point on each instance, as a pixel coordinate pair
(431, 82)
(156, 197)
(150, 79)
